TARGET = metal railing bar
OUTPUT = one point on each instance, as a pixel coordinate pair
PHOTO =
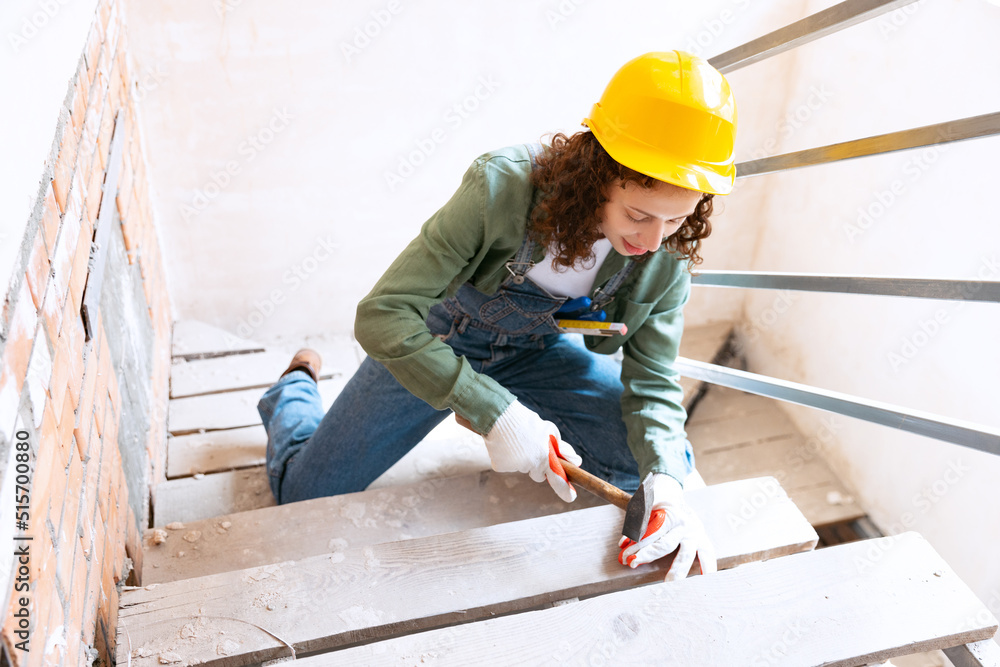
(923, 288)
(820, 24)
(941, 133)
(968, 434)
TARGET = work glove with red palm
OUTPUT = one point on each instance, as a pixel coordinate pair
(669, 523)
(521, 441)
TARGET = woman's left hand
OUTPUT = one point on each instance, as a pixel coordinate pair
(670, 524)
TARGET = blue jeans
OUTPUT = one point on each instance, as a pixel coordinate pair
(509, 336)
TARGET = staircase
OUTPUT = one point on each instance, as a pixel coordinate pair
(443, 561)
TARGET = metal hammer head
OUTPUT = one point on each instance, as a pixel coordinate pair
(635, 515)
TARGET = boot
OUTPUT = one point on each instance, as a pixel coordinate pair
(307, 360)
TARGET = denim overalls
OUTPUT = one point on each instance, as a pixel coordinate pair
(510, 336)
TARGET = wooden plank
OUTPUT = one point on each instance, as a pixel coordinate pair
(980, 654)
(215, 451)
(735, 432)
(448, 449)
(231, 373)
(321, 525)
(233, 409)
(244, 371)
(331, 600)
(725, 403)
(191, 498)
(192, 339)
(852, 604)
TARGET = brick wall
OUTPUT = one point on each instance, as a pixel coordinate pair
(66, 403)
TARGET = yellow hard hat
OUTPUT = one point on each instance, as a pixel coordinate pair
(671, 116)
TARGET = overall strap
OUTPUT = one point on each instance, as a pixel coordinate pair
(534, 150)
(604, 295)
(522, 263)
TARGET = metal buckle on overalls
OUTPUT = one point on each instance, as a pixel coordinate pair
(518, 278)
(599, 300)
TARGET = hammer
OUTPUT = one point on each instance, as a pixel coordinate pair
(634, 505)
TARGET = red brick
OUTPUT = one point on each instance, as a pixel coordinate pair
(72, 656)
(43, 568)
(46, 462)
(78, 275)
(65, 163)
(74, 204)
(108, 567)
(104, 15)
(95, 101)
(68, 448)
(91, 128)
(104, 135)
(108, 462)
(94, 193)
(79, 591)
(88, 501)
(85, 154)
(124, 195)
(115, 87)
(62, 368)
(82, 435)
(20, 335)
(85, 409)
(91, 52)
(100, 405)
(101, 388)
(111, 422)
(64, 546)
(62, 263)
(113, 620)
(50, 219)
(73, 337)
(52, 311)
(38, 268)
(94, 594)
(66, 536)
(55, 619)
(81, 88)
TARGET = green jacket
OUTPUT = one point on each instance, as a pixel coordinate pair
(468, 240)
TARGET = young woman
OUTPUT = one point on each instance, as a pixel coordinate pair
(603, 225)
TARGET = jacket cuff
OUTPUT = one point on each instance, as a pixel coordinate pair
(480, 399)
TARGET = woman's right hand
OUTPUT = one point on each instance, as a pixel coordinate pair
(519, 442)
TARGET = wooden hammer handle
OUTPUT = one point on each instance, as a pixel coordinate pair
(595, 485)
(578, 476)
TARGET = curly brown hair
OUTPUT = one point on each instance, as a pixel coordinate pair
(573, 175)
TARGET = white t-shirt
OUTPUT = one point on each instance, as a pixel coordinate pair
(573, 282)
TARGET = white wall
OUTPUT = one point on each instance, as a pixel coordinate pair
(931, 63)
(211, 81)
